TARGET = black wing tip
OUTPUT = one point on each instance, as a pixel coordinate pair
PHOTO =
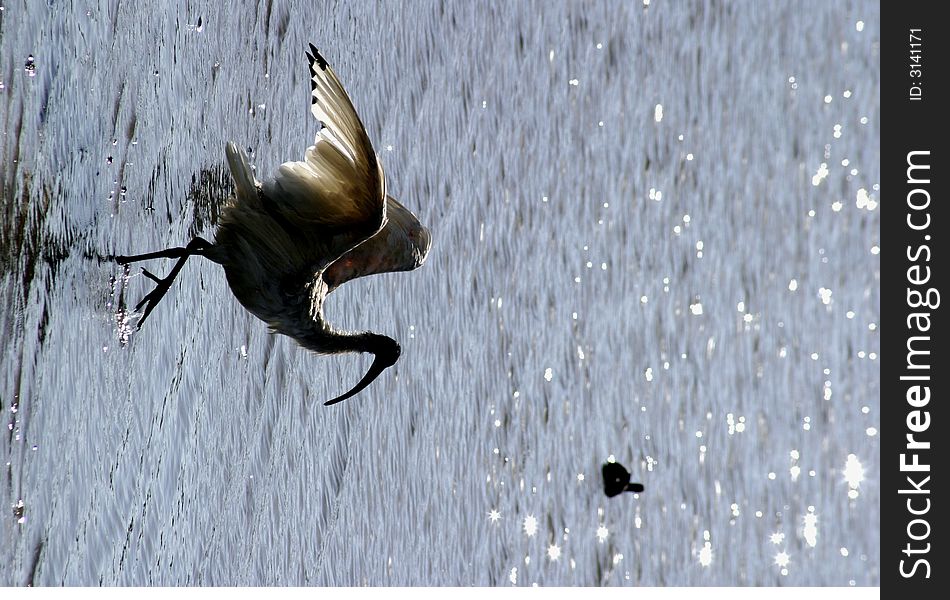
(315, 57)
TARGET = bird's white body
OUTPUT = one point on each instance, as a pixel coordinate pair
(280, 266)
(288, 242)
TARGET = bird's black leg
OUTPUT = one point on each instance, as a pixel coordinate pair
(151, 300)
(195, 246)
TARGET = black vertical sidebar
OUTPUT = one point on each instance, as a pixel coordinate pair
(915, 105)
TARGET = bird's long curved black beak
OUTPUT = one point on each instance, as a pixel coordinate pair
(384, 359)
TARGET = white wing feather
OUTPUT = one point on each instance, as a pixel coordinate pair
(245, 184)
(340, 182)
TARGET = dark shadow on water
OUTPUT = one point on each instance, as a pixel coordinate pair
(29, 240)
(35, 563)
(210, 190)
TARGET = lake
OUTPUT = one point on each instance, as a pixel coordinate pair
(656, 234)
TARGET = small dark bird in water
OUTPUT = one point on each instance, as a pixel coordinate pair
(288, 242)
(617, 480)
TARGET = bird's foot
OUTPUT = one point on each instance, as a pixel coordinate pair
(151, 300)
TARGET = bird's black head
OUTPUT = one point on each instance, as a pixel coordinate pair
(387, 352)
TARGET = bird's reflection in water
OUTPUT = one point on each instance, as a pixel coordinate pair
(288, 242)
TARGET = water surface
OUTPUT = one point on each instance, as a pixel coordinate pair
(655, 237)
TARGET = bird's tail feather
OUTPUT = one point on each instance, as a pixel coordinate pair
(245, 183)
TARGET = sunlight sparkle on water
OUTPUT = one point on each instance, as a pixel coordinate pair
(810, 530)
(706, 553)
(554, 552)
(853, 474)
(494, 515)
(865, 200)
(530, 525)
(734, 426)
(602, 534)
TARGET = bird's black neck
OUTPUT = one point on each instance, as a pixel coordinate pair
(326, 341)
(385, 350)
(321, 338)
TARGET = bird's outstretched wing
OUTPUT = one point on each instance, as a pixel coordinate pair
(340, 182)
(401, 245)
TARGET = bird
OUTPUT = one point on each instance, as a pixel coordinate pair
(288, 242)
(617, 480)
